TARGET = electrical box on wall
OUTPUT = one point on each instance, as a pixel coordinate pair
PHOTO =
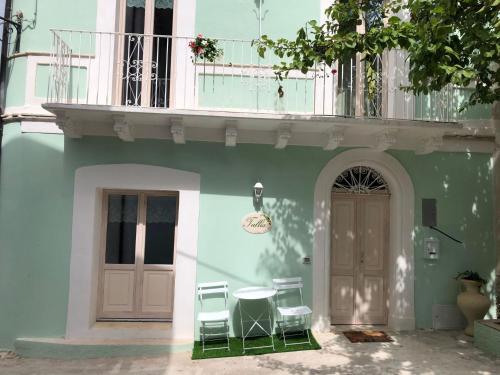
(429, 212)
(431, 248)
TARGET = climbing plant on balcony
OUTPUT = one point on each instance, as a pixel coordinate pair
(447, 42)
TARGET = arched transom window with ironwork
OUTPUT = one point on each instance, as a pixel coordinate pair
(360, 180)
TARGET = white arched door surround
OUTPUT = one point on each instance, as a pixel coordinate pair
(86, 231)
(401, 260)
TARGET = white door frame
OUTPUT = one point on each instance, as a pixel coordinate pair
(84, 264)
(107, 20)
(401, 314)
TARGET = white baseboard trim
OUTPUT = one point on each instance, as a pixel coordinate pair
(45, 127)
(401, 323)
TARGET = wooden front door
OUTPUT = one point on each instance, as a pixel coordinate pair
(359, 252)
(136, 280)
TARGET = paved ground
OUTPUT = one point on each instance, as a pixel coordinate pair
(420, 352)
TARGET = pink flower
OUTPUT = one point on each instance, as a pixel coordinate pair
(200, 36)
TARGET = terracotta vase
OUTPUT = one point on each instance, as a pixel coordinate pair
(472, 303)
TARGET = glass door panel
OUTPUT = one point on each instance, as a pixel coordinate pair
(161, 54)
(161, 219)
(133, 51)
(346, 97)
(373, 17)
(121, 229)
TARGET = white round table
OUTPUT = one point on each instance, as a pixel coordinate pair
(254, 293)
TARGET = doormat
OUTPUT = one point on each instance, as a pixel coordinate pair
(236, 346)
(367, 336)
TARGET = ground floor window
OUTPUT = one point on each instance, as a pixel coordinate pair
(136, 278)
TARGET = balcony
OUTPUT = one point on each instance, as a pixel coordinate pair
(149, 86)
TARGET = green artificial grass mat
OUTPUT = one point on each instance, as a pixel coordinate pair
(236, 346)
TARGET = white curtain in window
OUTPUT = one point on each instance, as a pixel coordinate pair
(122, 210)
(160, 4)
(159, 209)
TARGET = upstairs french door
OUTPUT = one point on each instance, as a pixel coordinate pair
(136, 279)
(145, 50)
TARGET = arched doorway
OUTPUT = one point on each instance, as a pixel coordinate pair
(359, 247)
(400, 263)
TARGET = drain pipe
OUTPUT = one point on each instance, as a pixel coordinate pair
(496, 199)
(7, 25)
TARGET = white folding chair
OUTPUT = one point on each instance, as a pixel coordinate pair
(294, 319)
(210, 322)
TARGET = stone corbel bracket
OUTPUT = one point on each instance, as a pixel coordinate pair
(283, 135)
(335, 138)
(123, 129)
(177, 131)
(231, 133)
(68, 126)
(430, 145)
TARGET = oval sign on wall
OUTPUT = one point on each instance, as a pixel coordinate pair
(256, 223)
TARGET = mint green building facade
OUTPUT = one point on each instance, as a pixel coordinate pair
(40, 166)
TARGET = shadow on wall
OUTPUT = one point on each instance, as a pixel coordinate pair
(462, 186)
(291, 241)
(292, 238)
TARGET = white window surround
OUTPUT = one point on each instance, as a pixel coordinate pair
(86, 232)
(401, 257)
(107, 12)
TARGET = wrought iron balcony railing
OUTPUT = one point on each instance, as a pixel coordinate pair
(156, 71)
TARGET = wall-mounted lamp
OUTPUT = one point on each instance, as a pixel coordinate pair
(258, 188)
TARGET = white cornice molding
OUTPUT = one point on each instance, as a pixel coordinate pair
(385, 140)
(283, 135)
(296, 119)
(335, 138)
(177, 131)
(323, 132)
(123, 130)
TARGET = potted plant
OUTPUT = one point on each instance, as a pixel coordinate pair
(205, 49)
(471, 301)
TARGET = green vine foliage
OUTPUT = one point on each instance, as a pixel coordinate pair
(447, 42)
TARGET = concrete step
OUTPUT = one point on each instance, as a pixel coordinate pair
(97, 348)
